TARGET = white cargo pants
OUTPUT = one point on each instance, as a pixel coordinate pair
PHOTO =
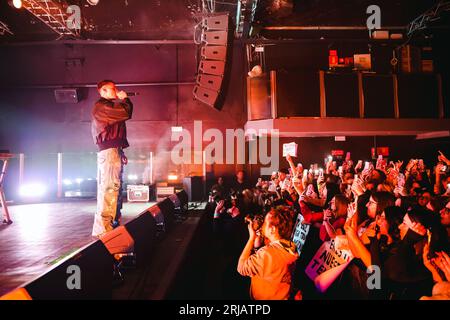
(109, 167)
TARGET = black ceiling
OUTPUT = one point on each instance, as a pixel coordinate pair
(175, 19)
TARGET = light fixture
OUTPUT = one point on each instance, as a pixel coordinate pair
(256, 71)
(79, 180)
(177, 129)
(67, 182)
(172, 177)
(32, 190)
(93, 2)
(133, 177)
(15, 3)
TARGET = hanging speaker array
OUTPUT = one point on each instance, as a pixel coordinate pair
(213, 69)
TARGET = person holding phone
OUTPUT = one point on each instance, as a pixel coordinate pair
(109, 132)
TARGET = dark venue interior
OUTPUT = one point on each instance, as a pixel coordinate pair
(225, 150)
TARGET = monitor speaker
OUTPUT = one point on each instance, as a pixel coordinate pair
(143, 231)
(86, 274)
(67, 95)
(194, 188)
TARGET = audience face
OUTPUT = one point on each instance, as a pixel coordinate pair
(445, 215)
(310, 192)
(383, 224)
(414, 186)
(220, 180)
(333, 204)
(240, 176)
(370, 186)
(281, 176)
(424, 199)
(372, 208)
(446, 183)
(348, 178)
(375, 175)
(267, 229)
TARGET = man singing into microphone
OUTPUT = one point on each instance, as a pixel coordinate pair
(110, 134)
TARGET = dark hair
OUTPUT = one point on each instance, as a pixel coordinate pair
(382, 176)
(431, 221)
(394, 217)
(104, 82)
(282, 218)
(341, 200)
(384, 199)
(421, 215)
(362, 207)
(284, 170)
(332, 190)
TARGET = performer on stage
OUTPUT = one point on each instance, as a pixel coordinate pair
(110, 134)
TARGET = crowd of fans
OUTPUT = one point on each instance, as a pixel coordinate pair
(393, 216)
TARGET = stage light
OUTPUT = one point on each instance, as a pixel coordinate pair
(256, 72)
(79, 180)
(15, 3)
(177, 129)
(93, 2)
(172, 177)
(67, 182)
(132, 177)
(32, 190)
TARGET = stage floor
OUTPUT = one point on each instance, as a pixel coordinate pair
(43, 233)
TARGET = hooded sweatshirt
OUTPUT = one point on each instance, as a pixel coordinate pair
(271, 269)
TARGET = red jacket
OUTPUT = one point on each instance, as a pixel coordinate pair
(309, 215)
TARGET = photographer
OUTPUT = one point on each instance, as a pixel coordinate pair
(270, 268)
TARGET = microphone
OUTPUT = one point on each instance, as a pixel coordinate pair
(132, 94)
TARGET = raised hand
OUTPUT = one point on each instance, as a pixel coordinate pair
(443, 158)
(122, 95)
(351, 210)
(358, 166)
(443, 262)
(438, 169)
(289, 158)
(351, 227)
(411, 164)
(357, 186)
(429, 265)
(327, 215)
(398, 165)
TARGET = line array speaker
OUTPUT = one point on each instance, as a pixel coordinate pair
(215, 52)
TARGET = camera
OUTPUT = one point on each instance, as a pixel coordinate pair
(215, 196)
(256, 221)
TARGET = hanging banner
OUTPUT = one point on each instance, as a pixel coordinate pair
(328, 262)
